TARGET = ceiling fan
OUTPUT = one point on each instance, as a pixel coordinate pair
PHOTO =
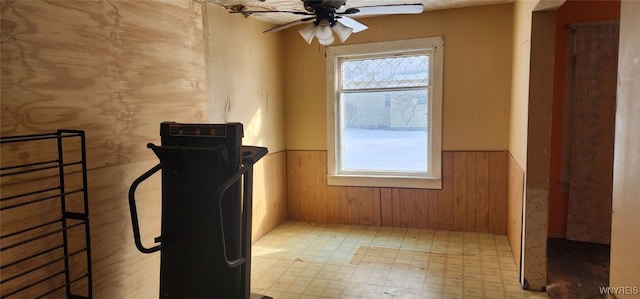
(328, 15)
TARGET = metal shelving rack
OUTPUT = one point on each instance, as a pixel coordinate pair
(46, 253)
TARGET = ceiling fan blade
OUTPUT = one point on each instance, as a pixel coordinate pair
(351, 23)
(249, 12)
(384, 10)
(290, 24)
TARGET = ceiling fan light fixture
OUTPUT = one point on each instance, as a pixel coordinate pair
(342, 31)
(323, 30)
(308, 32)
(327, 41)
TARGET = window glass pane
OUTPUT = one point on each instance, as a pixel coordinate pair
(384, 131)
(391, 72)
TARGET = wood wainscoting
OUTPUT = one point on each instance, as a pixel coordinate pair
(514, 208)
(473, 197)
(269, 194)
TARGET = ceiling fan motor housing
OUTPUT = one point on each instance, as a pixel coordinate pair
(315, 5)
(323, 9)
(328, 16)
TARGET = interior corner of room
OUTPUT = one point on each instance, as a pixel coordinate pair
(539, 140)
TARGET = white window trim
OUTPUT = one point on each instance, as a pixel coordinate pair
(434, 179)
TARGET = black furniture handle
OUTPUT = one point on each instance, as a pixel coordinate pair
(219, 194)
(250, 155)
(134, 211)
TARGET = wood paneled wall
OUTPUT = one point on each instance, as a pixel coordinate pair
(115, 69)
(473, 196)
(269, 194)
(515, 202)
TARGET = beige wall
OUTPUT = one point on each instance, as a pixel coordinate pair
(245, 83)
(522, 20)
(518, 119)
(520, 80)
(519, 115)
(625, 232)
(245, 76)
(477, 63)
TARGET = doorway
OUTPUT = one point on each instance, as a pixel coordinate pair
(578, 263)
(591, 130)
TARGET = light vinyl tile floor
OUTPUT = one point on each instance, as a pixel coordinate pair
(304, 260)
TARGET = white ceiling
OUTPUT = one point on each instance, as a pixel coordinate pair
(281, 18)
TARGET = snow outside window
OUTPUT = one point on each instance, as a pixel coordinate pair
(384, 114)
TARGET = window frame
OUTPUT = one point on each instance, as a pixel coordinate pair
(433, 178)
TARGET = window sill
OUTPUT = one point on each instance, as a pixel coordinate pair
(384, 181)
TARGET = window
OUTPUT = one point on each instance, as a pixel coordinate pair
(384, 106)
